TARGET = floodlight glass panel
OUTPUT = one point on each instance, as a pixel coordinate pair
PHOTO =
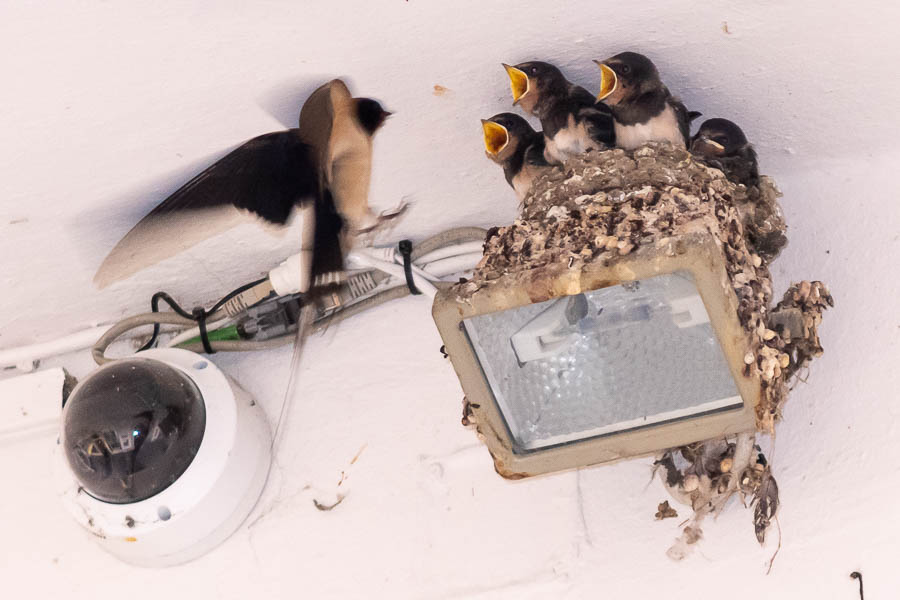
(603, 362)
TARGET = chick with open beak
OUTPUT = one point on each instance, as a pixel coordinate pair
(510, 141)
(572, 122)
(643, 108)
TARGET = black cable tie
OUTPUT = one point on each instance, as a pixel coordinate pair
(200, 315)
(405, 247)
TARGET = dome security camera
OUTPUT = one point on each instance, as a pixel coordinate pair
(162, 456)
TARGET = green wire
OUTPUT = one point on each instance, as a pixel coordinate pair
(218, 335)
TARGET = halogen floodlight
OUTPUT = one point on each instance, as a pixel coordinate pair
(572, 367)
(162, 456)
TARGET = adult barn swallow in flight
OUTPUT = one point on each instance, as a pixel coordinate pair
(324, 164)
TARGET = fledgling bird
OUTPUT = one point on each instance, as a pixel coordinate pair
(643, 108)
(511, 142)
(723, 145)
(572, 121)
(323, 166)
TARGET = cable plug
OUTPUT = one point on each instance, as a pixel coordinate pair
(248, 298)
(273, 318)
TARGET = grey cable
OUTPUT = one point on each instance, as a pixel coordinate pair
(99, 348)
(451, 236)
(241, 345)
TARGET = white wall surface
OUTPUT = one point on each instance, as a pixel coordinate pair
(105, 108)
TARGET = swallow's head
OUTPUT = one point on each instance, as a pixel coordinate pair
(503, 133)
(625, 76)
(718, 137)
(370, 114)
(530, 81)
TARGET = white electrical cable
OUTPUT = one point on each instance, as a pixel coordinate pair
(452, 264)
(23, 356)
(455, 259)
(425, 277)
(387, 262)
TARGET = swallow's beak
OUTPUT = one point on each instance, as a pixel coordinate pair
(704, 146)
(518, 82)
(608, 80)
(496, 137)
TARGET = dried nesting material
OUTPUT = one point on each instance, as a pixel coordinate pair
(664, 511)
(791, 342)
(763, 221)
(796, 319)
(705, 475)
(602, 206)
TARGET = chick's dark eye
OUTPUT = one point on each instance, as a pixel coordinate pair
(626, 69)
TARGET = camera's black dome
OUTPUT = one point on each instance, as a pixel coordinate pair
(132, 428)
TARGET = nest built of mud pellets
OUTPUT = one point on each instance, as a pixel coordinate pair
(609, 208)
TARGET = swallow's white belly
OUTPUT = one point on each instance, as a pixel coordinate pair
(661, 128)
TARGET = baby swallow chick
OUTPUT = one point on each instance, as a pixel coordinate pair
(643, 108)
(722, 144)
(510, 142)
(572, 121)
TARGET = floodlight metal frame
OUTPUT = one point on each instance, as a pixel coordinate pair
(699, 253)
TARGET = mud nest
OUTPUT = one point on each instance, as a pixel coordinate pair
(605, 205)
